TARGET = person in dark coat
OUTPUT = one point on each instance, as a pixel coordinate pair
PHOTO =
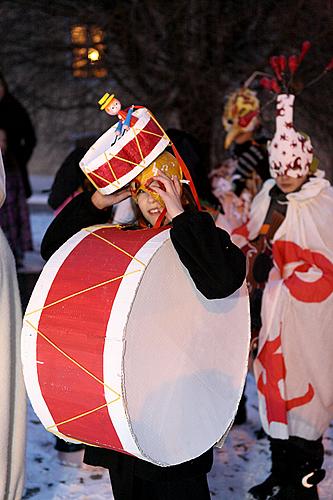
(14, 215)
(217, 268)
(20, 131)
(70, 179)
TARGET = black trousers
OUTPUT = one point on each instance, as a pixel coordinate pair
(127, 486)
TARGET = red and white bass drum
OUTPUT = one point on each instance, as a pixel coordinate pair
(121, 351)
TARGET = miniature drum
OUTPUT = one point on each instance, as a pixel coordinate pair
(121, 351)
(112, 161)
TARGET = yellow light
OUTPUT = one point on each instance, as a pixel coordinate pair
(93, 55)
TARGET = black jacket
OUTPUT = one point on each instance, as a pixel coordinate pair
(217, 268)
(20, 134)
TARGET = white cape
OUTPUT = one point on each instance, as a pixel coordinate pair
(295, 357)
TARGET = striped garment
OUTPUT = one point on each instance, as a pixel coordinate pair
(251, 158)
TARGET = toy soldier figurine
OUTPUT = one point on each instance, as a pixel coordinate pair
(112, 106)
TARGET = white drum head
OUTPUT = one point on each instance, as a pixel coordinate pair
(184, 362)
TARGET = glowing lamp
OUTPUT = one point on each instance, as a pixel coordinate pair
(93, 55)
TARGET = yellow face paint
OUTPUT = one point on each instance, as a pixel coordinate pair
(167, 164)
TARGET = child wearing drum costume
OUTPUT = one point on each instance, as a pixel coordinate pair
(290, 247)
(217, 268)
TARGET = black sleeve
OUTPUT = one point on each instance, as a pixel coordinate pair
(68, 178)
(77, 214)
(216, 265)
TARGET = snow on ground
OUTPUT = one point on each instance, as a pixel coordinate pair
(242, 462)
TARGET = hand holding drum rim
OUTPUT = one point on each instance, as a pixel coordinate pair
(172, 194)
(102, 201)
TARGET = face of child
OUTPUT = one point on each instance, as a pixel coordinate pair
(3, 140)
(289, 184)
(151, 209)
(113, 108)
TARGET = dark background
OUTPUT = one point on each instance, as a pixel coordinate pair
(180, 58)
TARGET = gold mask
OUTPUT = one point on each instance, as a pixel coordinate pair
(167, 164)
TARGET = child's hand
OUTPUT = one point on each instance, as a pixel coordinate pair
(172, 194)
(102, 201)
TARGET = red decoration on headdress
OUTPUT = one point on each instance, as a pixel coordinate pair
(282, 63)
(266, 83)
(329, 66)
(270, 84)
(274, 62)
(275, 86)
(304, 50)
(292, 64)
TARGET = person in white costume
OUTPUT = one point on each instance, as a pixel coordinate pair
(13, 402)
(290, 248)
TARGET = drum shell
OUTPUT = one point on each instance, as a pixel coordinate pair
(102, 330)
(113, 162)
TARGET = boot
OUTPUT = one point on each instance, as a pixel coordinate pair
(279, 471)
(305, 461)
(296, 471)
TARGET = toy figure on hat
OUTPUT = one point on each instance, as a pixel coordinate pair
(289, 245)
(112, 106)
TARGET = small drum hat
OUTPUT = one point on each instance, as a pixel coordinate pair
(121, 351)
(113, 161)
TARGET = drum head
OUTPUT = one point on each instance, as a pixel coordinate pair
(184, 362)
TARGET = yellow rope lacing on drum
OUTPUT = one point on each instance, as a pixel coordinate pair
(115, 246)
(81, 291)
(138, 144)
(111, 169)
(70, 358)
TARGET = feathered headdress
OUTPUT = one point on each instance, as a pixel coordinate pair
(290, 152)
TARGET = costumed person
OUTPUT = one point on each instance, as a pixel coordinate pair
(69, 180)
(21, 133)
(199, 245)
(14, 215)
(236, 208)
(247, 146)
(289, 245)
(248, 151)
(13, 401)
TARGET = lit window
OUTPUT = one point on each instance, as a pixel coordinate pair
(88, 50)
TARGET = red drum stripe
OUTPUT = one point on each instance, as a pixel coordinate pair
(77, 326)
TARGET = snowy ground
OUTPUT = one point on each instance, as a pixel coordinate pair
(242, 462)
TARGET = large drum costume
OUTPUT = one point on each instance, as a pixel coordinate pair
(109, 360)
